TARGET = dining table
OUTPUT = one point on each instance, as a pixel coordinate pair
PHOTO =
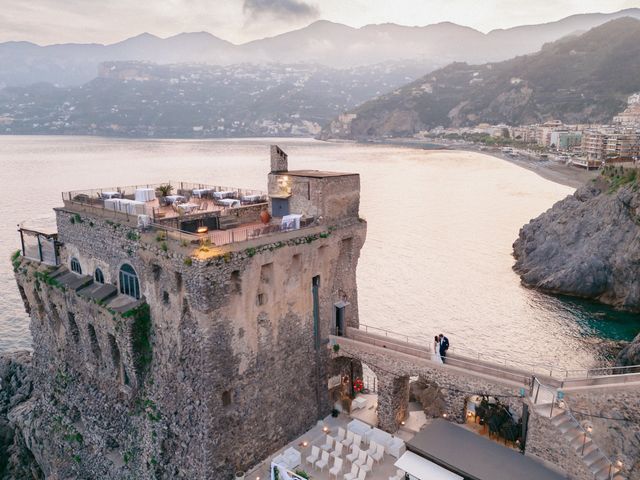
(230, 202)
(176, 198)
(145, 194)
(200, 192)
(224, 194)
(187, 207)
(107, 195)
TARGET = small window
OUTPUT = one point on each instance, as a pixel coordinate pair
(129, 284)
(226, 398)
(75, 266)
(98, 276)
(261, 299)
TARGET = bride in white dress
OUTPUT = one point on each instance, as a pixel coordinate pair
(436, 350)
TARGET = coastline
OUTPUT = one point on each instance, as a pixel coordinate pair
(566, 175)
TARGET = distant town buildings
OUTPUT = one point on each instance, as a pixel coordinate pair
(585, 145)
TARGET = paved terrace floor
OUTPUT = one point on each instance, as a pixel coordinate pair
(316, 436)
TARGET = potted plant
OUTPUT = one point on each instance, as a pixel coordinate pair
(164, 191)
(239, 475)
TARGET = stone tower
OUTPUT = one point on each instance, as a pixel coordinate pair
(165, 352)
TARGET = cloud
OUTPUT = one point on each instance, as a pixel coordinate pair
(281, 9)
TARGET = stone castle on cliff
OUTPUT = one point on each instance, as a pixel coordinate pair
(186, 335)
(190, 331)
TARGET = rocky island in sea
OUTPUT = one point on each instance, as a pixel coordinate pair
(586, 246)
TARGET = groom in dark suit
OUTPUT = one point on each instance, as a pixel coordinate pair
(444, 346)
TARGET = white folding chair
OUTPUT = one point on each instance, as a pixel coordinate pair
(341, 434)
(362, 474)
(357, 440)
(353, 474)
(336, 469)
(315, 454)
(355, 452)
(367, 467)
(323, 462)
(337, 453)
(348, 440)
(372, 448)
(379, 455)
(362, 459)
(328, 443)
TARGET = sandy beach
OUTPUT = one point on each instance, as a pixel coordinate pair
(548, 169)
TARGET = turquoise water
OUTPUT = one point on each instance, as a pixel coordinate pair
(438, 255)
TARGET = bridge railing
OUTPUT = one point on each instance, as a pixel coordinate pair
(561, 377)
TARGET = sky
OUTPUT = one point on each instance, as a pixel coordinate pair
(239, 21)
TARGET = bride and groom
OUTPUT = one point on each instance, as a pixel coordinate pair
(440, 347)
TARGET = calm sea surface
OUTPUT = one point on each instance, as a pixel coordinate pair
(438, 251)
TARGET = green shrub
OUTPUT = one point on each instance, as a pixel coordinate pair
(188, 261)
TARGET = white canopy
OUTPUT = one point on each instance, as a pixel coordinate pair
(423, 469)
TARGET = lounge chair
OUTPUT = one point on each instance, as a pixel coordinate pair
(315, 454)
(323, 462)
(328, 443)
(353, 474)
(355, 452)
(336, 469)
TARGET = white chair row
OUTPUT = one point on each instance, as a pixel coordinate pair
(356, 473)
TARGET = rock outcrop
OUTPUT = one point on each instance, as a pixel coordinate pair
(588, 246)
(16, 388)
(630, 355)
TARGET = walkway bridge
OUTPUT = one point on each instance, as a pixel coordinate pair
(501, 369)
(394, 358)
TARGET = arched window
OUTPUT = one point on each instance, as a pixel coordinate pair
(98, 276)
(75, 266)
(129, 284)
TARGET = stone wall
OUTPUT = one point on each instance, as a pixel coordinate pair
(614, 414)
(456, 385)
(235, 370)
(545, 441)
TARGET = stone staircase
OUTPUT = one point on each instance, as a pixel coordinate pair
(227, 222)
(578, 439)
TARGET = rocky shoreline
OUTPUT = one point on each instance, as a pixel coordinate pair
(587, 246)
(16, 396)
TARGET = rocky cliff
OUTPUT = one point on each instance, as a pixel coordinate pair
(588, 246)
(16, 388)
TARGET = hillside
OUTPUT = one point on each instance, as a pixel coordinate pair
(580, 79)
(322, 42)
(134, 99)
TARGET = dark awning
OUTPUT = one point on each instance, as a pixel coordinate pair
(474, 457)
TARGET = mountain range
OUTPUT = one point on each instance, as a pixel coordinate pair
(579, 79)
(331, 44)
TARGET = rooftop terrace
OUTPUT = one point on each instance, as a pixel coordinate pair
(184, 214)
